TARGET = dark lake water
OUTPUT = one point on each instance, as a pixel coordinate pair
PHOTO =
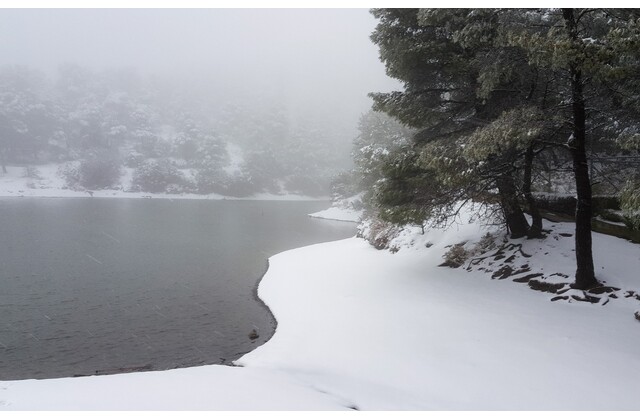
(102, 285)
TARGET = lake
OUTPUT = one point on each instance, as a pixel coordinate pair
(93, 285)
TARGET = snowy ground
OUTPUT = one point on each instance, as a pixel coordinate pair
(16, 184)
(374, 330)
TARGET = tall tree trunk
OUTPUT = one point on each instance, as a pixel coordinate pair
(516, 222)
(585, 275)
(535, 231)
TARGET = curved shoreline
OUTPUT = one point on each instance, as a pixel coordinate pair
(272, 319)
(366, 329)
(243, 266)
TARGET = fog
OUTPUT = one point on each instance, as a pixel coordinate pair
(317, 59)
(231, 95)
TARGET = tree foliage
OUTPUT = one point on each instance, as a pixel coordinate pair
(492, 93)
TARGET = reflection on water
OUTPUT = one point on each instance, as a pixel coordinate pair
(105, 285)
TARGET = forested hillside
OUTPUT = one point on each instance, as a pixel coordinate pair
(168, 136)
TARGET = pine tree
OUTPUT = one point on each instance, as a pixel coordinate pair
(456, 82)
(594, 57)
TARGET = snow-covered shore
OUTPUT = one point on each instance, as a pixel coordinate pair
(51, 185)
(334, 213)
(371, 330)
(344, 210)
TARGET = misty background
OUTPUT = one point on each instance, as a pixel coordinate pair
(248, 100)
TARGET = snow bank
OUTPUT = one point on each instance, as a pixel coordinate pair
(374, 330)
(197, 388)
(334, 213)
(346, 210)
(395, 331)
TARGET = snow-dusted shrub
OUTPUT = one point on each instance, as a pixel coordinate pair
(456, 256)
(156, 175)
(378, 233)
(69, 172)
(94, 173)
(211, 180)
(99, 173)
(486, 243)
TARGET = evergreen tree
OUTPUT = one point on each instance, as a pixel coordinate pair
(488, 90)
(456, 81)
(594, 56)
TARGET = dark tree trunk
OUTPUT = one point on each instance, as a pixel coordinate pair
(516, 222)
(535, 231)
(585, 275)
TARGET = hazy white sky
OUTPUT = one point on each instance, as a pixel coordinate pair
(310, 56)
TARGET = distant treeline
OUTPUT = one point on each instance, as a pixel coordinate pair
(101, 122)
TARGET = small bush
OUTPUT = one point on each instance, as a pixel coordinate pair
(70, 173)
(456, 256)
(93, 173)
(98, 173)
(379, 233)
(156, 176)
(211, 180)
(486, 243)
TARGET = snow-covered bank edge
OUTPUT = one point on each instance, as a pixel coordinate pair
(341, 215)
(346, 210)
(51, 185)
(374, 330)
(66, 193)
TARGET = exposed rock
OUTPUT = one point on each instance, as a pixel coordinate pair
(503, 273)
(603, 289)
(586, 298)
(527, 278)
(546, 287)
